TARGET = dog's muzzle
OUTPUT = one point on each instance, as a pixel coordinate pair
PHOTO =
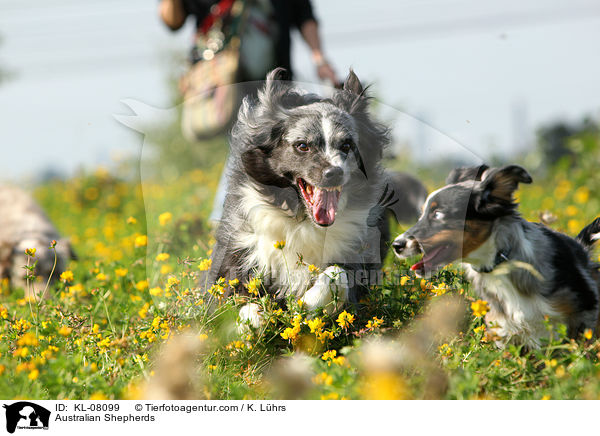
(405, 246)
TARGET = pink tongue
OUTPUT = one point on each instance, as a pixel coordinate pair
(426, 258)
(324, 205)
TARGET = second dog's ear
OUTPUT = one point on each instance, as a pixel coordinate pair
(495, 193)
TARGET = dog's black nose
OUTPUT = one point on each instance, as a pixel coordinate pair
(333, 176)
(399, 244)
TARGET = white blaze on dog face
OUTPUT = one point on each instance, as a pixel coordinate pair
(318, 150)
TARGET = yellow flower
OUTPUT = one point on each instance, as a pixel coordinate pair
(384, 385)
(156, 292)
(121, 272)
(374, 323)
(101, 276)
(173, 281)
(141, 241)
(324, 335)
(582, 195)
(479, 308)
(315, 325)
(22, 324)
(142, 285)
(28, 339)
(479, 329)
(233, 283)
(253, 286)
(345, 319)
(574, 226)
(571, 210)
(313, 269)
(441, 289)
(205, 264)
(33, 375)
(30, 252)
(323, 379)
(165, 269)
(67, 276)
(218, 289)
(131, 220)
(165, 218)
(404, 280)
(291, 333)
(331, 357)
(143, 312)
(64, 330)
(162, 257)
(279, 245)
(588, 334)
(445, 350)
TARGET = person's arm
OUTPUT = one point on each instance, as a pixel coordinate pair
(172, 13)
(310, 32)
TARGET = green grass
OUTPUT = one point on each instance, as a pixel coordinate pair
(97, 335)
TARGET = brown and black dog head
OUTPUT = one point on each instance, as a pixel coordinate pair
(458, 218)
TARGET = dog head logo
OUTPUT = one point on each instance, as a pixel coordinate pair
(26, 415)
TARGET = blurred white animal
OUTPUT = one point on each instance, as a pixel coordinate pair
(23, 225)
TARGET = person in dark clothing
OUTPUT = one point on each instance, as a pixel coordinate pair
(287, 14)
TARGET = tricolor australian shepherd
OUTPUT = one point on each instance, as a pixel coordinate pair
(306, 202)
(525, 271)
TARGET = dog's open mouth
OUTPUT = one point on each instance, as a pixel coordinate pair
(322, 202)
(433, 259)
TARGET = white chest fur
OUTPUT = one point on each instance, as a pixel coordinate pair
(346, 241)
(513, 315)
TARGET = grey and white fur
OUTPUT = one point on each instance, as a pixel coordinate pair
(306, 170)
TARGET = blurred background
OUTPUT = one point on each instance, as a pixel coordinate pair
(489, 75)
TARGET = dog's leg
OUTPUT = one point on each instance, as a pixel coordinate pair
(330, 290)
(249, 316)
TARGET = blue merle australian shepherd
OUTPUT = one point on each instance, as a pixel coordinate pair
(306, 171)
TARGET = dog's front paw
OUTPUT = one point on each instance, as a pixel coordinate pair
(330, 290)
(249, 316)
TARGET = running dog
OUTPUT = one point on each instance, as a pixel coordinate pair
(525, 271)
(306, 204)
(23, 225)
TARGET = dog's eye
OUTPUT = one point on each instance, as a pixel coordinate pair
(345, 148)
(437, 215)
(301, 146)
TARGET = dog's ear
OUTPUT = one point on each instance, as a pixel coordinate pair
(352, 84)
(458, 175)
(276, 86)
(353, 96)
(494, 195)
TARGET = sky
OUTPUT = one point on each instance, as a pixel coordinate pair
(481, 76)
